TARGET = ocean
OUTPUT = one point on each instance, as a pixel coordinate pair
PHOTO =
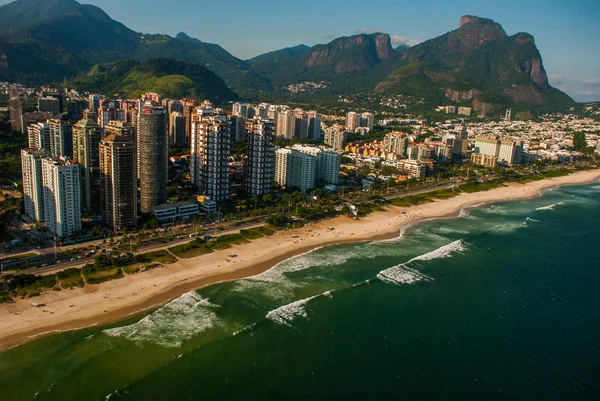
(502, 302)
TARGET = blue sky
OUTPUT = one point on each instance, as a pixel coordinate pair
(566, 32)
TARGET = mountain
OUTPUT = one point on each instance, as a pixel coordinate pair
(238, 74)
(346, 64)
(278, 56)
(478, 63)
(170, 78)
(77, 37)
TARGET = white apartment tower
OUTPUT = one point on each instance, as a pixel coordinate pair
(33, 194)
(62, 198)
(210, 149)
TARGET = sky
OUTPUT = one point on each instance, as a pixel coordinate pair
(567, 32)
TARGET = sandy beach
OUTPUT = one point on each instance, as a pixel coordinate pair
(111, 301)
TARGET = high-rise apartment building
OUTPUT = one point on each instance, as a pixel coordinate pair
(286, 124)
(336, 137)
(95, 102)
(39, 136)
(314, 125)
(238, 128)
(118, 182)
(48, 104)
(367, 120)
(396, 143)
(352, 121)
(327, 163)
(120, 128)
(110, 110)
(301, 125)
(210, 151)
(177, 132)
(506, 151)
(153, 156)
(87, 135)
(62, 201)
(16, 111)
(33, 194)
(295, 169)
(260, 165)
(61, 136)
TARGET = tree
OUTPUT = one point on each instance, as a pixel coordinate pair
(579, 141)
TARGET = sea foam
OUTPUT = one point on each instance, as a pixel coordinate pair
(179, 320)
(402, 274)
(549, 207)
(286, 314)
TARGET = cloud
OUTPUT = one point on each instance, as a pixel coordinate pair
(365, 30)
(556, 79)
(398, 40)
(588, 94)
(591, 82)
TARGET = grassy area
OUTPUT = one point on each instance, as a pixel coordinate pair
(411, 200)
(162, 256)
(227, 240)
(193, 248)
(543, 175)
(131, 269)
(256, 232)
(472, 187)
(29, 285)
(442, 194)
(94, 274)
(70, 278)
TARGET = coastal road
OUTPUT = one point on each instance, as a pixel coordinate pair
(51, 269)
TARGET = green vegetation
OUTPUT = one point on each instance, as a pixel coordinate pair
(256, 232)
(131, 269)
(170, 78)
(95, 274)
(579, 141)
(473, 186)
(70, 278)
(25, 286)
(411, 200)
(162, 256)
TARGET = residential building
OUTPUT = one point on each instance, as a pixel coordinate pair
(286, 124)
(152, 156)
(95, 102)
(171, 212)
(39, 136)
(210, 151)
(49, 105)
(367, 120)
(413, 168)
(110, 110)
(314, 125)
(62, 196)
(260, 165)
(301, 125)
(87, 135)
(61, 136)
(396, 143)
(16, 111)
(298, 168)
(327, 164)
(336, 137)
(120, 128)
(118, 183)
(482, 159)
(177, 132)
(506, 151)
(352, 121)
(33, 194)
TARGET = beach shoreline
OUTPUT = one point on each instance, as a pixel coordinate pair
(116, 300)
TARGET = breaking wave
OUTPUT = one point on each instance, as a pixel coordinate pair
(402, 274)
(286, 314)
(179, 320)
(549, 207)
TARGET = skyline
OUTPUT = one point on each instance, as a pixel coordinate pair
(269, 25)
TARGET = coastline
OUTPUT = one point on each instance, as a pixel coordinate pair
(112, 301)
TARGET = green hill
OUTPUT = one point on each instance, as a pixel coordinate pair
(170, 78)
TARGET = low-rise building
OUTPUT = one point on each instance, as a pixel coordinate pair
(169, 213)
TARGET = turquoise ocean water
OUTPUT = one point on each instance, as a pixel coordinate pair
(500, 303)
